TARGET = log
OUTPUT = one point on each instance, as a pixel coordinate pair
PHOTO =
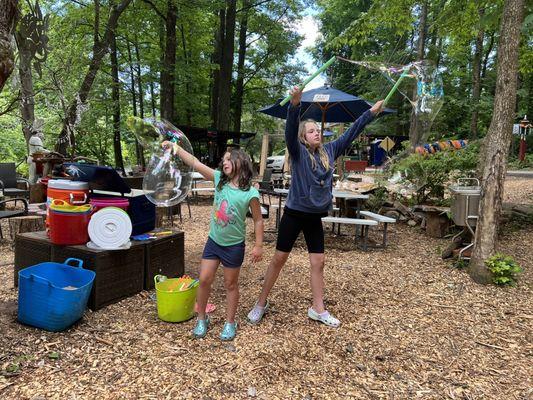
(456, 243)
(406, 211)
(27, 223)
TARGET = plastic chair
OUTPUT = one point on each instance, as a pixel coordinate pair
(9, 181)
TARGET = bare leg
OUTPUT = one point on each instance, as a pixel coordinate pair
(277, 263)
(231, 282)
(317, 281)
(208, 269)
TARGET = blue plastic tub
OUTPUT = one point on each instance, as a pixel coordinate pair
(53, 296)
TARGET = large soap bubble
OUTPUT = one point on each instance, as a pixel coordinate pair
(167, 179)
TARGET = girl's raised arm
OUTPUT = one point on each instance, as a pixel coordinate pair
(207, 172)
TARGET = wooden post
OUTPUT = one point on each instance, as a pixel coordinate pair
(340, 160)
(264, 154)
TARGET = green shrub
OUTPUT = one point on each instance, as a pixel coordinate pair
(515, 163)
(504, 269)
(430, 174)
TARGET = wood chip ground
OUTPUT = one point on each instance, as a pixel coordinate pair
(413, 327)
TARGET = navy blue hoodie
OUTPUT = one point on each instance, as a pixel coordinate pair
(310, 189)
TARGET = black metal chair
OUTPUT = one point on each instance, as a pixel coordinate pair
(10, 213)
(9, 182)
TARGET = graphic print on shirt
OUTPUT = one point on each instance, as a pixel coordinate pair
(225, 214)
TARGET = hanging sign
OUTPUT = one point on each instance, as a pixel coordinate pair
(387, 144)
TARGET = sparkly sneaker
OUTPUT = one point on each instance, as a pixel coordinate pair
(256, 314)
(229, 331)
(200, 329)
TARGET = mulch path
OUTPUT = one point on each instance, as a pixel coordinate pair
(413, 327)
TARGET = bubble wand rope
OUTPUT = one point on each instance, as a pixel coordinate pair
(310, 78)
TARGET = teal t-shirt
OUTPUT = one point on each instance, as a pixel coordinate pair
(228, 218)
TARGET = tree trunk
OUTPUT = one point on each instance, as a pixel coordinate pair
(217, 61)
(138, 148)
(152, 99)
(476, 77)
(27, 101)
(169, 64)
(497, 141)
(115, 96)
(226, 67)
(239, 86)
(188, 110)
(8, 19)
(415, 128)
(75, 108)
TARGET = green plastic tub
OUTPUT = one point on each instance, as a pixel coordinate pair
(172, 305)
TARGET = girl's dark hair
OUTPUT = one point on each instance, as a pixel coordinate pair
(242, 165)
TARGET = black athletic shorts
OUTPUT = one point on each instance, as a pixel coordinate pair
(293, 222)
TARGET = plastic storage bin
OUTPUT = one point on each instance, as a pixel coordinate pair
(173, 306)
(53, 296)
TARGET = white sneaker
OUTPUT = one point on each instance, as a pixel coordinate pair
(326, 318)
(256, 314)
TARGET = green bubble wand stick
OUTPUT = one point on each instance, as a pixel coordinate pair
(309, 79)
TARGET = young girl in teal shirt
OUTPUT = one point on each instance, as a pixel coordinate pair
(234, 195)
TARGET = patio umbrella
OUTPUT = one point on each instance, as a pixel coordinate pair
(326, 104)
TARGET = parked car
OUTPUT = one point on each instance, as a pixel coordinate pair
(276, 163)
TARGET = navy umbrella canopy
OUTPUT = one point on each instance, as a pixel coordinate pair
(326, 104)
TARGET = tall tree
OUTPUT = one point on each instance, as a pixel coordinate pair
(32, 43)
(8, 19)
(100, 50)
(416, 130)
(115, 96)
(226, 51)
(476, 75)
(497, 141)
(239, 85)
(168, 69)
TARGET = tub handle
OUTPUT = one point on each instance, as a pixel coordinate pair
(159, 278)
(40, 279)
(73, 201)
(468, 179)
(76, 260)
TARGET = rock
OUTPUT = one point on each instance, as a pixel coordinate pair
(411, 222)
(252, 392)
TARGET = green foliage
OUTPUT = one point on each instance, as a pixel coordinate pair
(378, 197)
(504, 269)
(430, 174)
(515, 163)
(460, 263)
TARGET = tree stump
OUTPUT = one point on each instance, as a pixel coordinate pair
(37, 193)
(437, 224)
(27, 223)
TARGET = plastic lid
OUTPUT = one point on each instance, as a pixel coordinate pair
(67, 184)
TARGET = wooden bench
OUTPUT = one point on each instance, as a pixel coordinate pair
(381, 219)
(364, 223)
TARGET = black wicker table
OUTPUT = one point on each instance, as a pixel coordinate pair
(119, 273)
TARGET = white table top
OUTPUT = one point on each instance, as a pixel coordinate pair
(196, 175)
(349, 195)
(281, 191)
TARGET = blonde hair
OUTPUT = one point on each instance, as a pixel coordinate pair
(324, 158)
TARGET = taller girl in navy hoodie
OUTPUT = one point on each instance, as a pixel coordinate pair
(309, 200)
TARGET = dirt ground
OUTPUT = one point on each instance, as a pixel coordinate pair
(413, 327)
